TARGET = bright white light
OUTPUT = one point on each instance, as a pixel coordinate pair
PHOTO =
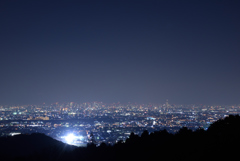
(15, 133)
(80, 137)
(69, 138)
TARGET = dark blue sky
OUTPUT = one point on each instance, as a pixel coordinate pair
(127, 51)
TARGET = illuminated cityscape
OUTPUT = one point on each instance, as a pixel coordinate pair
(119, 80)
(73, 123)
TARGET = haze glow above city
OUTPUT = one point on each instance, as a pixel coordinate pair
(120, 51)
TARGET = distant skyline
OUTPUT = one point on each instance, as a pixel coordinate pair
(163, 103)
(123, 50)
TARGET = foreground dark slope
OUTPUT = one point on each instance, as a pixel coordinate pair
(26, 146)
(220, 141)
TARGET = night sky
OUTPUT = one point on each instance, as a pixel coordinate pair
(120, 50)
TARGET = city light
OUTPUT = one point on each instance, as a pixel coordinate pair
(73, 139)
(70, 138)
(75, 130)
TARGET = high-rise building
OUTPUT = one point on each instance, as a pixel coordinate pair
(167, 105)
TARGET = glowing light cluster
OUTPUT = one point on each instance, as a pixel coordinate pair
(70, 138)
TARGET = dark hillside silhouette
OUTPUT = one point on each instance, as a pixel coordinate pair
(219, 142)
(229, 125)
(31, 145)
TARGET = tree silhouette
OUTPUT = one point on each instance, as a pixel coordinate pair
(184, 131)
(132, 138)
(92, 141)
(228, 125)
(145, 134)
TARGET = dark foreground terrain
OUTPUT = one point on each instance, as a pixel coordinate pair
(220, 142)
